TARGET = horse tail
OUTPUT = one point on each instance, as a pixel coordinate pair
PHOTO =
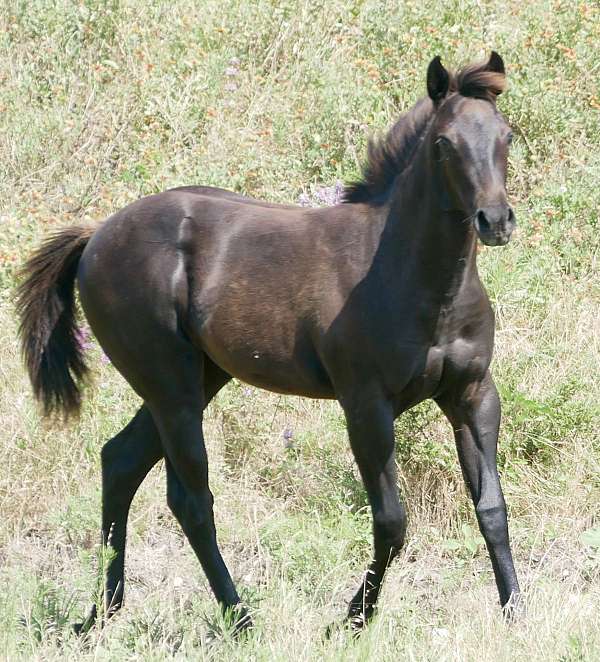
(48, 330)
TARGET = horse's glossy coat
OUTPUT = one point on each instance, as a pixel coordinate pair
(375, 302)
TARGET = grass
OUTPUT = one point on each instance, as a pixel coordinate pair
(104, 101)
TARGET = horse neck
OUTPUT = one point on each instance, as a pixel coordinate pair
(430, 246)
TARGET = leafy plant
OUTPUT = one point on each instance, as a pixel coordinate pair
(591, 538)
(467, 544)
(49, 612)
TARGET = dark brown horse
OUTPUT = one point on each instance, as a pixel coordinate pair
(375, 302)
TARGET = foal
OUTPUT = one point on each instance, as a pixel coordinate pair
(375, 302)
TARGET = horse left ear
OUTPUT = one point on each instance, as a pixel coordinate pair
(495, 64)
(438, 80)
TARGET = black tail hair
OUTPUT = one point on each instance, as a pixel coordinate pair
(48, 328)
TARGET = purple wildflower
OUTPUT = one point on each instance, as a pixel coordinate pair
(323, 196)
(288, 436)
(82, 338)
(304, 200)
(234, 67)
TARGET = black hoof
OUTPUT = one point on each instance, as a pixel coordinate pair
(236, 623)
(355, 624)
(243, 622)
(81, 629)
(514, 609)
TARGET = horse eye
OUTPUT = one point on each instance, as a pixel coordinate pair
(443, 148)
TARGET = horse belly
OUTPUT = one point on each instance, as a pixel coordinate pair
(257, 364)
(264, 351)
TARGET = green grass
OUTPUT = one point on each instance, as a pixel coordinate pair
(102, 102)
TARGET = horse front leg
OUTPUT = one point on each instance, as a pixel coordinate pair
(474, 413)
(370, 421)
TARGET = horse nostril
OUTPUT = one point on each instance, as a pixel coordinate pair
(482, 221)
(511, 216)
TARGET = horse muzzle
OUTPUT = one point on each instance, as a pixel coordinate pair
(494, 224)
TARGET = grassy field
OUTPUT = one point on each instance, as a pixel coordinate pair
(102, 102)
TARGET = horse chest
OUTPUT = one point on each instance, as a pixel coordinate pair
(412, 379)
(455, 355)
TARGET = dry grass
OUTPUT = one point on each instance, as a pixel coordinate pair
(103, 101)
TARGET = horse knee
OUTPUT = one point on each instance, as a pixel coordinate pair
(116, 472)
(175, 498)
(127, 458)
(390, 527)
(493, 524)
(194, 512)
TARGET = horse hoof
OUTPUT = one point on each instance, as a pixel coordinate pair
(353, 624)
(514, 609)
(243, 624)
(356, 624)
(237, 621)
(81, 629)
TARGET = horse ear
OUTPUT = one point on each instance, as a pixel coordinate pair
(438, 80)
(495, 64)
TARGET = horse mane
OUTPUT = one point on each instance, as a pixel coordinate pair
(477, 81)
(389, 156)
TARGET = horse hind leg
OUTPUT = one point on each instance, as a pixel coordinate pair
(126, 460)
(193, 508)
(177, 410)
